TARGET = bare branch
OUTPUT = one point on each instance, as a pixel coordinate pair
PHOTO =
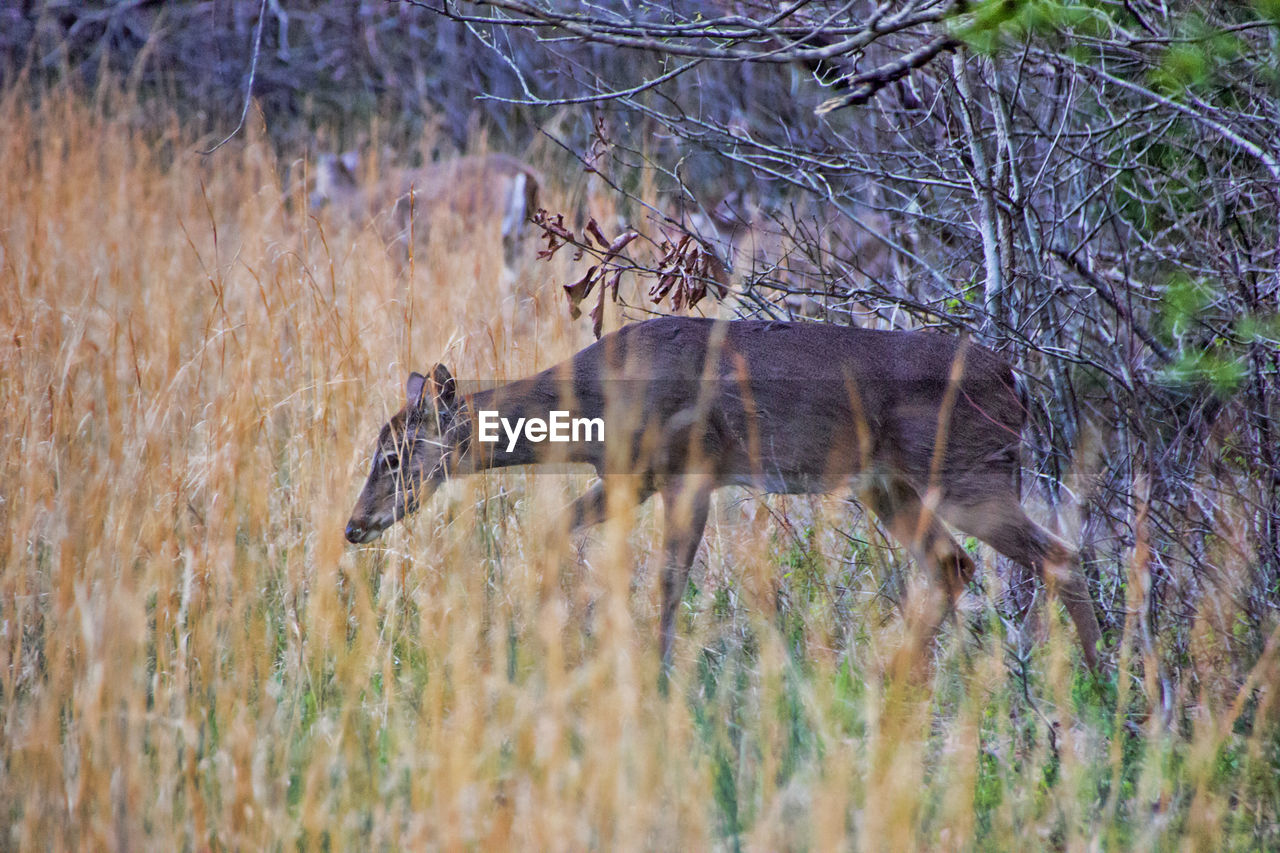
(867, 84)
(248, 84)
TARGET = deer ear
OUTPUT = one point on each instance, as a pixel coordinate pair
(446, 389)
(350, 160)
(413, 390)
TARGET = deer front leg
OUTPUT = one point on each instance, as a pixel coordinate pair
(685, 503)
(1001, 522)
(1062, 575)
(588, 509)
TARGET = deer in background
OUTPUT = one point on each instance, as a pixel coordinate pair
(923, 427)
(475, 190)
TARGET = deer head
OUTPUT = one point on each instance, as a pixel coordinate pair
(335, 179)
(416, 451)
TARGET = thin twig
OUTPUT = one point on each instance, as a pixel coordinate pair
(1100, 287)
(248, 88)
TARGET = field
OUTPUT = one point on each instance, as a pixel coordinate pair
(191, 656)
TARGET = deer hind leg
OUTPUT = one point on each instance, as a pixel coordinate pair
(685, 503)
(514, 213)
(590, 508)
(950, 569)
(1002, 524)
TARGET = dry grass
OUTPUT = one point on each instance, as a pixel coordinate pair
(191, 656)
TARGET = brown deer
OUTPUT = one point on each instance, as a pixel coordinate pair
(923, 426)
(475, 190)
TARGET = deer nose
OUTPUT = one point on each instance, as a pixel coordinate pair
(355, 533)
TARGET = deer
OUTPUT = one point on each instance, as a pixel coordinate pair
(476, 189)
(922, 426)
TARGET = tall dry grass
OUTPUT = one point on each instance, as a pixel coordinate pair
(191, 656)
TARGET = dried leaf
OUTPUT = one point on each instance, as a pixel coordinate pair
(620, 243)
(593, 228)
(597, 315)
(553, 231)
(581, 288)
(659, 290)
(718, 274)
(696, 291)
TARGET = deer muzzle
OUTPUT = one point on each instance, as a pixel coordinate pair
(359, 533)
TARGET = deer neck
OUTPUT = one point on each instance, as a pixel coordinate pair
(514, 405)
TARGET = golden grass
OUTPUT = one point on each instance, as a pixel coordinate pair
(191, 656)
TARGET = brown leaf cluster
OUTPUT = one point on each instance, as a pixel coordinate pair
(607, 272)
(686, 270)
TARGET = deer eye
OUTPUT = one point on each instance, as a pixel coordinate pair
(392, 461)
